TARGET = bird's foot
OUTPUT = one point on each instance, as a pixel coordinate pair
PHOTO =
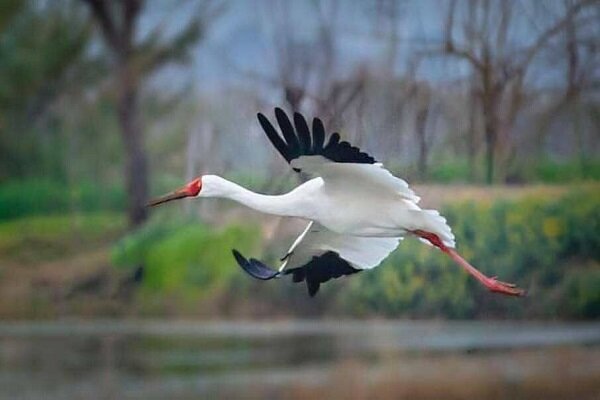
(509, 289)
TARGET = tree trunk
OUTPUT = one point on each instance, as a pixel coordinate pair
(136, 169)
(472, 136)
(490, 119)
(490, 144)
(421, 125)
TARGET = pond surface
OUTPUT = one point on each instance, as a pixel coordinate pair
(172, 359)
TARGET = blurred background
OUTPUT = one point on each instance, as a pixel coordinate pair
(490, 109)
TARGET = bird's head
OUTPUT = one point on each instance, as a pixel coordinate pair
(192, 189)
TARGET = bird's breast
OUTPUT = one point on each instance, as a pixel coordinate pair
(354, 215)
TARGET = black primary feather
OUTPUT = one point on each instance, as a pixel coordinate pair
(318, 135)
(254, 267)
(319, 269)
(323, 268)
(303, 133)
(297, 140)
(288, 133)
(274, 137)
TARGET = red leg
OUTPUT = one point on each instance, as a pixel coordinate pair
(492, 283)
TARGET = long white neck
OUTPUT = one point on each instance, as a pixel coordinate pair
(289, 204)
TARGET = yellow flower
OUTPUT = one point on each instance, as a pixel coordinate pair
(552, 227)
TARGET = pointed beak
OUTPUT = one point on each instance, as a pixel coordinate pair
(176, 195)
(190, 190)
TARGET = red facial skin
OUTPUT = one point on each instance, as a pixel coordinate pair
(194, 187)
(190, 190)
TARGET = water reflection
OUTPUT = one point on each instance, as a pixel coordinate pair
(109, 359)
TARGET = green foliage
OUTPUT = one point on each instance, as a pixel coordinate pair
(536, 170)
(548, 245)
(37, 46)
(40, 43)
(39, 196)
(582, 293)
(37, 238)
(536, 242)
(185, 255)
(413, 280)
(561, 172)
(451, 171)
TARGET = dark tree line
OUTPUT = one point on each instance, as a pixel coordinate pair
(134, 59)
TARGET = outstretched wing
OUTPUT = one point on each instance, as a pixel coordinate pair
(319, 255)
(337, 162)
(298, 140)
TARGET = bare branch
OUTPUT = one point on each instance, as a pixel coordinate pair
(107, 25)
(450, 26)
(151, 55)
(450, 47)
(131, 9)
(532, 51)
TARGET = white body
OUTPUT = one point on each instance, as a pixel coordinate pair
(360, 211)
(357, 211)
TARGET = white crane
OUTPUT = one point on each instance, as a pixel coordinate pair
(357, 211)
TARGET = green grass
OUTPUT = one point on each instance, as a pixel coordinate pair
(449, 172)
(561, 172)
(36, 238)
(42, 197)
(185, 255)
(457, 170)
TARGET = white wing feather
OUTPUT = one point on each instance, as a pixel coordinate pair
(360, 252)
(374, 178)
(375, 175)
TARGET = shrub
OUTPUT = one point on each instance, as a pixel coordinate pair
(47, 237)
(581, 291)
(37, 197)
(535, 242)
(185, 255)
(569, 171)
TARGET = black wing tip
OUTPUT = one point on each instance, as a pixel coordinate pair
(321, 269)
(261, 117)
(317, 271)
(264, 122)
(313, 287)
(297, 142)
(280, 113)
(238, 256)
(318, 121)
(255, 268)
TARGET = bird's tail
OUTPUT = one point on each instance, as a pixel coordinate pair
(432, 221)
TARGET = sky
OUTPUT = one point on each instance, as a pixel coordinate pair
(240, 42)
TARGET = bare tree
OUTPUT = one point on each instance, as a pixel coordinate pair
(306, 70)
(133, 60)
(579, 47)
(421, 96)
(499, 67)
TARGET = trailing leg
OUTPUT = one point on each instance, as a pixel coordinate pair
(491, 283)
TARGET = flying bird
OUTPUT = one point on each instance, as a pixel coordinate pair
(357, 212)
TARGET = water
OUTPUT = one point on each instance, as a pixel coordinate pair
(157, 360)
